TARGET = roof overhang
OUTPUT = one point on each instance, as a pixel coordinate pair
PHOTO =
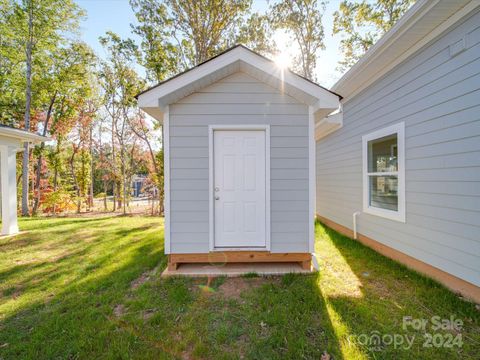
(11, 135)
(239, 58)
(421, 24)
(328, 124)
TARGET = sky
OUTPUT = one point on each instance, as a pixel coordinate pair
(116, 15)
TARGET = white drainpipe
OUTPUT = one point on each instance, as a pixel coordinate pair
(315, 264)
(355, 224)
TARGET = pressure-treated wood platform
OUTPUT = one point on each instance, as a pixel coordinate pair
(236, 269)
(219, 257)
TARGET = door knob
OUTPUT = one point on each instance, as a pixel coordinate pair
(217, 197)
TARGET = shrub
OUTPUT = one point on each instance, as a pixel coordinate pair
(58, 202)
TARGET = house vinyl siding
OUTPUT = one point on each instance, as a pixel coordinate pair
(437, 96)
(238, 99)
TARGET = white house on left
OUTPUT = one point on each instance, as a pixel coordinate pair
(11, 142)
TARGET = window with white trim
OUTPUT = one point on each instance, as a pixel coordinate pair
(384, 172)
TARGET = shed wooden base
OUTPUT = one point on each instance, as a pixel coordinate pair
(219, 257)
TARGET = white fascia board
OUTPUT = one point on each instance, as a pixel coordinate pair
(386, 54)
(150, 98)
(155, 97)
(327, 103)
(323, 96)
(22, 135)
(156, 112)
(375, 51)
(328, 124)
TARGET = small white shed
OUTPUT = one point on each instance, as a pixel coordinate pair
(239, 159)
(11, 142)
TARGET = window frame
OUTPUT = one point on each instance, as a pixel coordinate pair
(399, 130)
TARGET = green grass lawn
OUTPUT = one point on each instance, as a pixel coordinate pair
(91, 288)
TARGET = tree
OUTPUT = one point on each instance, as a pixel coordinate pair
(302, 21)
(160, 57)
(363, 23)
(143, 131)
(79, 140)
(179, 34)
(68, 86)
(120, 84)
(256, 33)
(36, 28)
(209, 25)
(12, 77)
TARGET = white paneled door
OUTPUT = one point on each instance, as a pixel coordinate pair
(239, 188)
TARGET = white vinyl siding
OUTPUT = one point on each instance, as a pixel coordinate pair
(238, 100)
(437, 96)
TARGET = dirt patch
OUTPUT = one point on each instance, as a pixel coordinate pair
(16, 294)
(147, 314)
(26, 261)
(187, 355)
(326, 356)
(119, 310)
(86, 237)
(49, 298)
(234, 287)
(62, 256)
(379, 288)
(14, 244)
(140, 281)
(143, 278)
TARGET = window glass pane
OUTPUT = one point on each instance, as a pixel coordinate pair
(382, 154)
(383, 192)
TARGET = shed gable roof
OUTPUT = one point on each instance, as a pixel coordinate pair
(235, 59)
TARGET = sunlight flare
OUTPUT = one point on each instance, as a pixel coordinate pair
(282, 60)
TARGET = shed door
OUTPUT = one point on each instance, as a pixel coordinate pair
(239, 188)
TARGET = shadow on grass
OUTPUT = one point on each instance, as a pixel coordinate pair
(389, 293)
(83, 305)
(285, 318)
(290, 320)
(59, 221)
(62, 307)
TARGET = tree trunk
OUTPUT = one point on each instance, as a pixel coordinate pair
(82, 186)
(75, 181)
(124, 193)
(105, 189)
(158, 175)
(114, 171)
(55, 173)
(114, 198)
(28, 97)
(90, 197)
(119, 192)
(36, 202)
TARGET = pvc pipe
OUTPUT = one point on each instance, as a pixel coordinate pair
(355, 224)
(315, 264)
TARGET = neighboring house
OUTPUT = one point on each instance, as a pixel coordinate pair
(11, 142)
(404, 155)
(239, 160)
(138, 182)
(143, 186)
